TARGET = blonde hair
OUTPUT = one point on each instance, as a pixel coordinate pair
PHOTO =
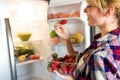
(101, 4)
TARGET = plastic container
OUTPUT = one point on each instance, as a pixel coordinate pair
(64, 11)
(63, 64)
(27, 50)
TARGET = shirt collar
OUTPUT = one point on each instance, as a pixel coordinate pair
(107, 38)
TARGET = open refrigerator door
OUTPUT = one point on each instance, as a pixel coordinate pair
(29, 27)
(6, 51)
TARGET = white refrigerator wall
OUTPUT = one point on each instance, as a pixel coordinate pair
(31, 16)
(75, 24)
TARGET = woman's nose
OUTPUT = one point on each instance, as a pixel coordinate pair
(85, 10)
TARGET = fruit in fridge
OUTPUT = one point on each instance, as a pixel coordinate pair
(34, 57)
(79, 37)
(54, 37)
(22, 58)
(63, 22)
(53, 34)
(64, 65)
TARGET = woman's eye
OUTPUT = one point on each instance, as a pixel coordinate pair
(89, 5)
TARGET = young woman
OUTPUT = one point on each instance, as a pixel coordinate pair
(100, 61)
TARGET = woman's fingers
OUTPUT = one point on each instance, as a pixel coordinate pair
(61, 30)
(60, 75)
(57, 25)
(56, 73)
(66, 77)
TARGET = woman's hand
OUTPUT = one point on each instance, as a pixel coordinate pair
(66, 77)
(61, 31)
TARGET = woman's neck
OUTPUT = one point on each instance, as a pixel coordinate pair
(105, 29)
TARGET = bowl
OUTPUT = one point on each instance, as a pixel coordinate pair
(24, 36)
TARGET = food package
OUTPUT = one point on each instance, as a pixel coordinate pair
(25, 53)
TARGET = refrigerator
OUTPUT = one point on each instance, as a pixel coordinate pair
(33, 16)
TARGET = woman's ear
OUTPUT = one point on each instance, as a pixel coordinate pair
(109, 11)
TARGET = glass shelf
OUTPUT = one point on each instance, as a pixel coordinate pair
(71, 18)
(28, 62)
(60, 44)
(31, 45)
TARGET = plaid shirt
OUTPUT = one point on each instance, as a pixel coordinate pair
(104, 61)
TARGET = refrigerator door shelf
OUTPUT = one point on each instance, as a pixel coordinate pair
(63, 2)
(58, 19)
(8, 69)
(74, 45)
(28, 62)
(64, 11)
(36, 46)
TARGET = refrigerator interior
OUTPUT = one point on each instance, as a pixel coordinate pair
(32, 69)
(26, 16)
(71, 11)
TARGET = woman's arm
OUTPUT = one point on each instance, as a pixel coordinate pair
(69, 47)
(63, 34)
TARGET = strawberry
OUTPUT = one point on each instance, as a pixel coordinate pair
(57, 69)
(70, 68)
(49, 68)
(34, 57)
(63, 68)
(71, 60)
(61, 59)
(70, 56)
(66, 57)
(55, 63)
(63, 22)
